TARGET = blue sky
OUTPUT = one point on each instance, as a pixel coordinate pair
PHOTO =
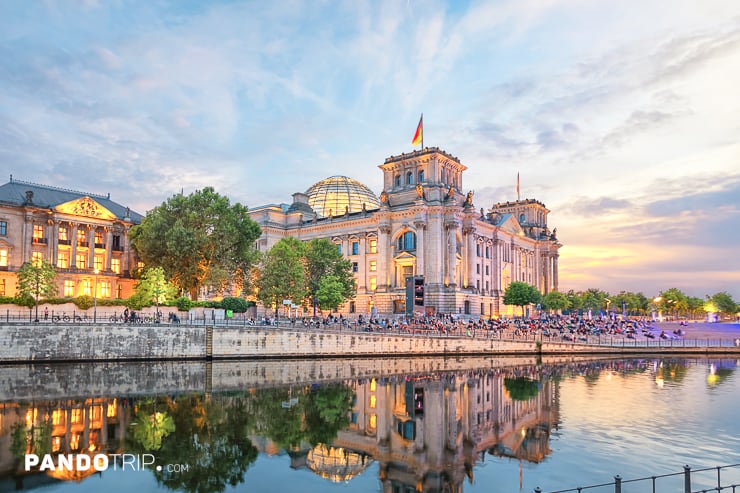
(622, 117)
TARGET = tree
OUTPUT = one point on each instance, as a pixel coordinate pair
(282, 274)
(521, 294)
(673, 300)
(198, 240)
(152, 287)
(724, 303)
(555, 300)
(37, 281)
(329, 272)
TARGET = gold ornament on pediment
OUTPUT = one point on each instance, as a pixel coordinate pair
(87, 207)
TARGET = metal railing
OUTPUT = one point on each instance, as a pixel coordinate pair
(652, 482)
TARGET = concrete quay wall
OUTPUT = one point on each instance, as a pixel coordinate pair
(42, 342)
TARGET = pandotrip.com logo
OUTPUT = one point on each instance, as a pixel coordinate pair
(98, 463)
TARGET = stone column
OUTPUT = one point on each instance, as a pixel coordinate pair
(54, 242)
(383, 251)
(73, 242)
(555, 272)
(27, 238)
(546, 272)
(91, 246)
(108, 246)
(451, 227)
(420, 267)
(471, 260)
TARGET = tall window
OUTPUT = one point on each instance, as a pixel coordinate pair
(81, 237)
(37, 258)
(339, 247)
(104, 289)
(409, 178)
(373, 246)
(3, 228)
(81, 261)
(398, 180)
(355, 248)
(63, 260)
(3, 257)
(407, 241)
(98, 237)
(373, 265)
(63, 233)
(115, 265)
(69, 288)
(355, 267)
(2, 287)
(117, 243)
(421, 176)
(373, 283)
(98, 262)
(87, 287)
(38, 233)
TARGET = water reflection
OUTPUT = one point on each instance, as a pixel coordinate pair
(424, 432)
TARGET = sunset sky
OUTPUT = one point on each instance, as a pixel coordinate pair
(622, 117)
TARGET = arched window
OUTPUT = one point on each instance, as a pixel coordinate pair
(407, 241)
(522, 218)
(409, 178)
(398, 180)
(421, 176)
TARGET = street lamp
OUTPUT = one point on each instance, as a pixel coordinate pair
(95, 296)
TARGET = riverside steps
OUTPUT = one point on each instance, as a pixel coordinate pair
(24, 342)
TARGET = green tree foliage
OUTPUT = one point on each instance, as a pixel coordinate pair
(521, 388)
(183, 304)
(151, 428)
(673, 301)
(236, 305)
(724, 303)
(556, 301)
(328, 273)
(37, 281)
(282, 273)
(327, 411)
(521, 294)
(152, 288)
(198, 240)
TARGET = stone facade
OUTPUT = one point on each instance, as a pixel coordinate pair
(84, 235)
(427, 226)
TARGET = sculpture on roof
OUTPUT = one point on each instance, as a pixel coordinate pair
(469, 199)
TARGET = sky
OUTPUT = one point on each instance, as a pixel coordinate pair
(623, 118)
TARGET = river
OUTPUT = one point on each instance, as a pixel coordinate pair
(476, 425)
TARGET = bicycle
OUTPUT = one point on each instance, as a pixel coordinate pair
(116, 319)
(61, 318)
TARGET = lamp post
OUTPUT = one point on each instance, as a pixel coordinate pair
(95, 296)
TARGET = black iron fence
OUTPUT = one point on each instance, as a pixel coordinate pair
(719, 478)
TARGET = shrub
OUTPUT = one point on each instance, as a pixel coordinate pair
(83, 302)
(137, 301)
(183, 304)
(236, 305)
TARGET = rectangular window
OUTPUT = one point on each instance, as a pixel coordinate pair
(355, 248)
(373, 246)
(115, 265)
(117, 244)
(373, 265)
(81, 261)
(2, 287)
(98, 262)
(76, 416)
(339, 247)
(355, 267)
(37, 258)
(81, 237)
(3, 228)
(373, 283)
(38, 232)
(63, 260)
(104, 289)
(352, 307)
(488, 252)
(486, 270)
(63, 232)
(87, 287)
(477, 268)
(69, 288)
(3, 257)
(99, 239)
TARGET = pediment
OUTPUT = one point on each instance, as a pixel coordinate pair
(511, 225)
(404, 256)
(85, 206)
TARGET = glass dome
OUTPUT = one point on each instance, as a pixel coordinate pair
(334, 195)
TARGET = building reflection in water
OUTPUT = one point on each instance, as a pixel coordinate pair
(426, 432)
(73, 426)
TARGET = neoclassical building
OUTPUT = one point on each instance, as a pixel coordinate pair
(84, 235)
(423, 224)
